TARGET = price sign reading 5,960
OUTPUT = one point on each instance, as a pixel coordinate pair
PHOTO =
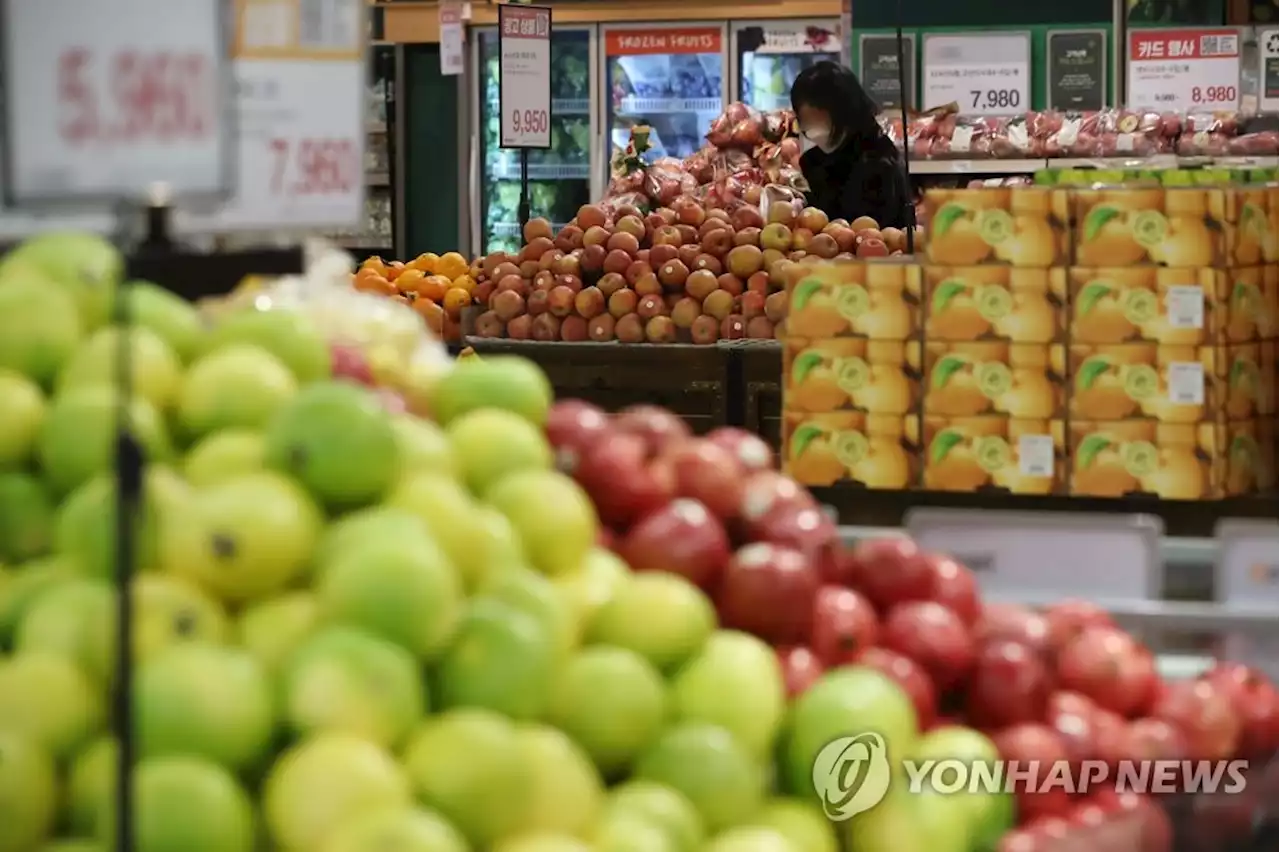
(524, 68)
(314, 167)
(994, 99)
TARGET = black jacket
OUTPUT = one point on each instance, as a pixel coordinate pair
(846, 184)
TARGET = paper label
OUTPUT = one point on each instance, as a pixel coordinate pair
(1186, 382)
(1035, 455)
(961, 139)
(1185, 306)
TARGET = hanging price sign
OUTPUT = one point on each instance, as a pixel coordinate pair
(300, 98)
(984, 74)
(1184, 69)
(103, 100)
(524, 70)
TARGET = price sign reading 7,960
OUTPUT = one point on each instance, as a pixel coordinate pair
(524, 69)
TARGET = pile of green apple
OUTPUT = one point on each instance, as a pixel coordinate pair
(360, 631)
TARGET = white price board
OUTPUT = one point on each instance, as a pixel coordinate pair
(1245, 580)
(105, 99)
(985, 74)
(1038, 558)
(301, 100)
(524, 70)
(452, 38)
(1184, 69)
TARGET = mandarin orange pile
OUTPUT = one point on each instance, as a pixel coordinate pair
(438, 287)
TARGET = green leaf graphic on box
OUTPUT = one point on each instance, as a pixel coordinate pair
(805, 291)
(942, 444)
(1091, 294)
(947, 366)
(1240, 368)
(1089, 372)
(804, 364)
(945, 292)
(1089, 449)
(947, 215)
(804, 435)
(1097, 219)
(1240, 292)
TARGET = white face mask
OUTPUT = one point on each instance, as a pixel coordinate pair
(820, 138)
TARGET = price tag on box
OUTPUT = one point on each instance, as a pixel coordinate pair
(104, 100)
(300, 94)
(985, 74)
(1038, 558)
(1191, 69)
(524, 69)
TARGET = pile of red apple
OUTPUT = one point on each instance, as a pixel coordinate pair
(1062, 684)
(678, 273)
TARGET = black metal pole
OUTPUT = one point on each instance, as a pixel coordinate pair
(906, 144)
(523, 213)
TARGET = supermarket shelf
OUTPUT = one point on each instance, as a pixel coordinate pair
(508, 170)
(559, 106)
(376, 127)
(658, 106)
(976, 167)
(512, 229)
(1013, 167)
(377, 179)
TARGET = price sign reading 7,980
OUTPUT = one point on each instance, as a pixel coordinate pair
(988, 74)
(524, 72)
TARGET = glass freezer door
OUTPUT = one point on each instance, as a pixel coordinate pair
(559, 177)
(769, 55)
(670, 78)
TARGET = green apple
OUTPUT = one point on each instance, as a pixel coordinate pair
(225, 455)
(370, 526)
(990, 813)
(236, 387)
(490, 444)
(23, 586)
(242, 539)
(474, 543)
(168, 610)
(751, 838)
(662, 616)
(337, 440)
(214, 702)
(342, 679)
(501, 659)
(73, 846)
(85, 528)
(542, 843)
(86, 266)
(912, 822)
(26, 518)
(176, 320)
(734, 681)
(78, 436)
(29, 790)
(423, 446)
(271, 630)
(711, 768)
(554, 517)
(91, 786)
(156, 372)
(496, 381)
(613, 702)
(23, 406)
(48, 699)
(75, 620)
(532, 593)
(566, 794)
(191, 804)
(593, 584)
(403, 829)
(289, 335)
(801, 822)
(403, 589)
(468, 765)
(662, 806)
(845, 702)
(39, 327)
(626, 832)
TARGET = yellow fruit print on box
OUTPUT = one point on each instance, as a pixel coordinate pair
(1022, 227)
(1138, 457)
(1006, 454)
(878, 300)
(1253, 229)
(1166, 227)
(1145, 303)
(978, 378)
(994, 302)
(1142, 380)
(873, 450)
(877, 376)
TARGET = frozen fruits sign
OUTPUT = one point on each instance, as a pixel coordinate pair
(1184, 69)
(660, 41)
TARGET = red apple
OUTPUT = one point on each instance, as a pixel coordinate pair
(1018, 623)
(1071, 617)
(750, 450)
(1024, 745)
(769, 591)
(349, 363)
(801, 668)
(1109, 666)
(708, 473)
(806, 529)
(1021, 840)
(1205, 716)
(1009, 684)
(657, 426)
(1072, 716)
(616, 472)
(844, 625)
(764, 494)
(573, 426)
(1257, 704)
(910, 676)
(934, 637)
(1111, 742)
(953, 585)
(683, 538)
(1155, 739)
(890, 571)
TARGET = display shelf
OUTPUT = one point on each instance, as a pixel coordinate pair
(631, 105)
(378, 178)
(375, 128)
(505, 169)
(570, 106)
(976, 167)
(1012, 167)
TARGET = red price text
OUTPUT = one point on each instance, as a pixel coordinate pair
(1214, 95)
(314, 167)
(529, 120)
(132, 96)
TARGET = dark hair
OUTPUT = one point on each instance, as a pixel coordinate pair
(831, 87)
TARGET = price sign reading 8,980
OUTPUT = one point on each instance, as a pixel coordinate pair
(524, 71)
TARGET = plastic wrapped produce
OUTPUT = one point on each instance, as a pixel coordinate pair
(701, 164)
(779, 125)
(666, 179)
(1254, 144)
(739, 126)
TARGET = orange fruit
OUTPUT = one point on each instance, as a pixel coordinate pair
(455, 300)
(465, 282)
(375, 263)
(394, 268)
(451, 265)
(434, 287)
(373, 281)
(431, 312)
(426, 262)
(410, 280)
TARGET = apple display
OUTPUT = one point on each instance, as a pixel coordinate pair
(683, 538)
(1010, 684)
(769, 591)
(934, 637)
(844, 625)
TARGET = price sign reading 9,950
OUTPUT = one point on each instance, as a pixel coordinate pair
(105, 99)
(524, 69)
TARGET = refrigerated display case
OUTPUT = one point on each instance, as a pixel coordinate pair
(671, 78)
(767, 56)
(560, 177)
